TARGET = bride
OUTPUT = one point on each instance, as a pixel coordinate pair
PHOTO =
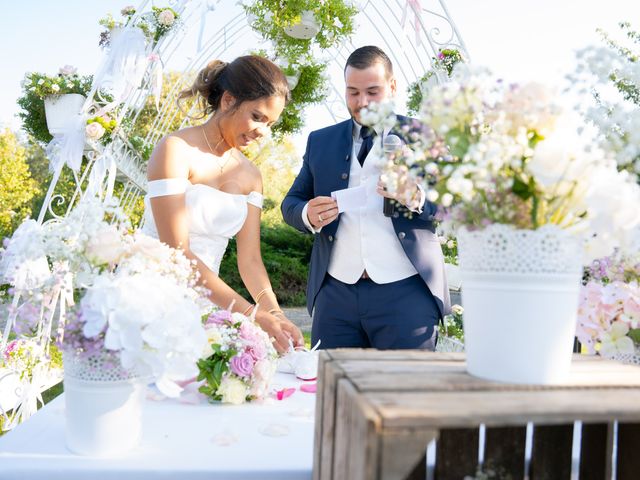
(202, 190)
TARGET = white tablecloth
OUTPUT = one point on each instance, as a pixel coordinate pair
(181, 441)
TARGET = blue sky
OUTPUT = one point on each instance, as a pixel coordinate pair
(524, 39)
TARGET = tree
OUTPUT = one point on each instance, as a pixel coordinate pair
(17, 188)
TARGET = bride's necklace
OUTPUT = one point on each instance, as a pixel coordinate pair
(226, 154)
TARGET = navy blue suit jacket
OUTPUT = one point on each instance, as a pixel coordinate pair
(326, 165)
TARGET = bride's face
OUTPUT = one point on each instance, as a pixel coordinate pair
(251, 121)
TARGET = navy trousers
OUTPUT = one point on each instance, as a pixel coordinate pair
(395, 315)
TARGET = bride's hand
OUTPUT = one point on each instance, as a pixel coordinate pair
(292, 330)
(280, 329)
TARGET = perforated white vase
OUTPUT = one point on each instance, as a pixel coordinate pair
(103, 406)
(62, 109)
(307, 28)
(520, 296)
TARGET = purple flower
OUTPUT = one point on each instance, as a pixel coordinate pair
(219, 317)
(242, 365)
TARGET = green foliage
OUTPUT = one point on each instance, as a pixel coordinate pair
(212, 369)
(273, 16)
(17, 187)
(309, 90)
(286, 254)
(278, 163)
(35, 87)
(445, 62)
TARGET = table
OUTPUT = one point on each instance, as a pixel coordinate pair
(181, 441)
(410, 415)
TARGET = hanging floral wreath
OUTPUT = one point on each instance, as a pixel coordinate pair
(295, 28)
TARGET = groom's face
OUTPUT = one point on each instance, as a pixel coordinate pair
(371, 84)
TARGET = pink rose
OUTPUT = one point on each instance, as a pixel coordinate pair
(242, 365)
(67, 70)
(94, 131)
(219, 317)
(166, 18)
(258, 351)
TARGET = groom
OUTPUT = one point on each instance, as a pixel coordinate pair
(374, 281)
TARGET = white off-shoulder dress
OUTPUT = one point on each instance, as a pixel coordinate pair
(214, 216)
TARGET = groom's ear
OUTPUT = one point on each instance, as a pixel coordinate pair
(393, 86)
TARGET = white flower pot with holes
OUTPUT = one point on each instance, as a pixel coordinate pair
(103, 409)
(307, 28)
(520, 296)
(60, 110)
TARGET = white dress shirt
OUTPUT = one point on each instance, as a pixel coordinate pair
(366, 239)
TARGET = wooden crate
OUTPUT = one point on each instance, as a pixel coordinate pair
(377, 411)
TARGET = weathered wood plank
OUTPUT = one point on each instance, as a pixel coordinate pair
(551, 455)
(403, 454)
(504, 452)
(459, 410)
(628, 464)
(322, 397)
(594, 448)
(326, 419)
(456, 453)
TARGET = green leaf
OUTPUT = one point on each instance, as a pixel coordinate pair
(522, 189)
(634, 334)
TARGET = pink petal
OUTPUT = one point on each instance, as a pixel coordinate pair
(285, 393)
(308, 387)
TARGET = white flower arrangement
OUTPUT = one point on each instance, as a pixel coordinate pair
(138, 297)
(505, 153)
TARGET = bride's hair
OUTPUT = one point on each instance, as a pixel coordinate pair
(246, 78)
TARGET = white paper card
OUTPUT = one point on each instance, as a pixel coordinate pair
(350, 199)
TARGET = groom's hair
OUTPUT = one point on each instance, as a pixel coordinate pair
(364, 57)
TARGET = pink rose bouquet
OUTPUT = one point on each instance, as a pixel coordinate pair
(609, 311)
(240, 361)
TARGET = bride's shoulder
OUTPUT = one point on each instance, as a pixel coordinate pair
(170, 156)
(250, 172)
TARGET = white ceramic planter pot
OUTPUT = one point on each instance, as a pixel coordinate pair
(520, 294)
(103, 409)
(307, 28)
(62, 109)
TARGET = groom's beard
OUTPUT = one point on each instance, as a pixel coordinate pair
(355, 114)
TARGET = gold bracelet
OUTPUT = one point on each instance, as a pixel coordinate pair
(248, 309)
(259, 296)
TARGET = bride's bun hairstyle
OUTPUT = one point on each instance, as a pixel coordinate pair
(246, 78)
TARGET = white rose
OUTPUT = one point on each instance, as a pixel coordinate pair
(232, 390)
(106, 246)
(166, 18)
(67, 70)
(446, 200)
(55, 88)
(41, 81)
(94, 131)
(457, 309)
(213, 337)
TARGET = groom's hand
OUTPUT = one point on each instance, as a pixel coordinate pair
(321, 211)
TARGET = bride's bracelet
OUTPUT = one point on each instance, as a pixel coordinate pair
(259, 296)
(276, 311)
(248, 309)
